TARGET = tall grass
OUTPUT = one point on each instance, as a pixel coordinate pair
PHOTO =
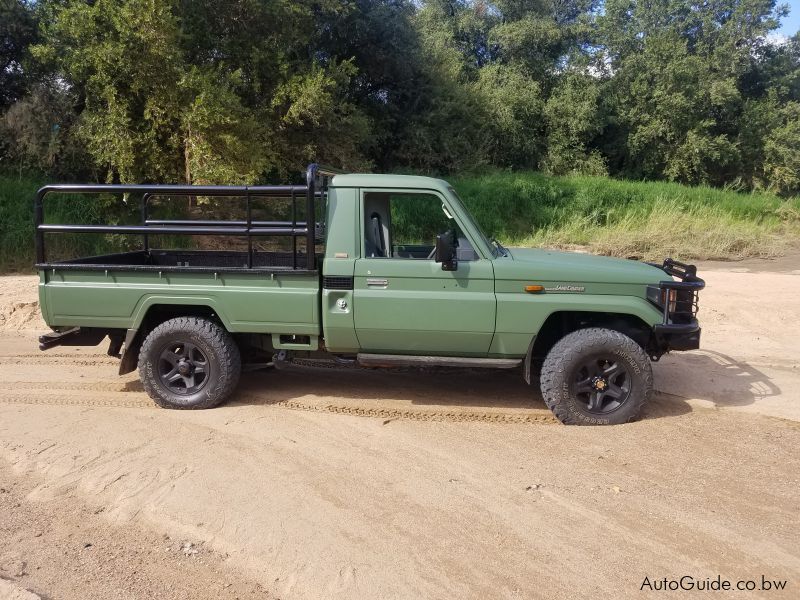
(632, 219)
(16, 224)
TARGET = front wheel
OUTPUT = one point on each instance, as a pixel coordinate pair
(188, 363)
(596, 376)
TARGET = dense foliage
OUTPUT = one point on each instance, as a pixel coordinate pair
(249, 90)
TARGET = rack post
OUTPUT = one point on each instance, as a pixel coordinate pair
(311, 180)
(249, 234)
(145, 237)
(38, 210)
(294, 226)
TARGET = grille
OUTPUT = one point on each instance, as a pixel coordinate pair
(685, 306)
(337, 283)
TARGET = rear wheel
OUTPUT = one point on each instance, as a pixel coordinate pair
(596, 377)
(189, 363)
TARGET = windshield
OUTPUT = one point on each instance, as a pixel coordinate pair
(471, 221)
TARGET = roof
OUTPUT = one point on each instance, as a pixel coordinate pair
(389, 181)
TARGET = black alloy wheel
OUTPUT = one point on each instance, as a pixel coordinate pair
(183, 368)
(189, 363)
(596, 376)
(602, 383)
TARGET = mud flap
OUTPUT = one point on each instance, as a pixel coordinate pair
(526, 366)
(130, 355)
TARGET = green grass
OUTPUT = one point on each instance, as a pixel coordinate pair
(606, 216)
(646, 220)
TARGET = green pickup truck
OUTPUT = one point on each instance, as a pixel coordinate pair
(365, 270)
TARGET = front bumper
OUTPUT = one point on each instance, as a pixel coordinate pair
(670, 336)
(680, 329)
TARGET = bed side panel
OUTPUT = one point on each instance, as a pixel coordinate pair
(245, 302)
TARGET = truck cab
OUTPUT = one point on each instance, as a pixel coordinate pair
(384, 270)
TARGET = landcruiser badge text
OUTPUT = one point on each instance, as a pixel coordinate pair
(565, 288)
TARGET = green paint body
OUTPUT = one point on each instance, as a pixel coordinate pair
(481, 309)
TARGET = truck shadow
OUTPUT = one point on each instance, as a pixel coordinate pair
(702, 375)
(435, 387)
(427, 389)
(712, 376)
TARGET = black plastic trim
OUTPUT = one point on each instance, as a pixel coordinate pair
(336, 282)
(677, 328)
(685, 336)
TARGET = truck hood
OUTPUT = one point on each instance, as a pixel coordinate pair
(573, 267)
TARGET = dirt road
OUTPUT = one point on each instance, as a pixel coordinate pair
(351, 484)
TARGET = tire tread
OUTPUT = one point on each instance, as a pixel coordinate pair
(570, 348)
(230, 362)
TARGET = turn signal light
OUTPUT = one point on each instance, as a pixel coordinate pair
(534, 289)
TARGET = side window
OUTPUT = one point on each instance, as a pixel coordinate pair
(398, 225)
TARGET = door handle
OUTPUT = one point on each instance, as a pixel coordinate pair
(373, 281)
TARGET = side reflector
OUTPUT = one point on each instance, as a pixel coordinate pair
(534, 289)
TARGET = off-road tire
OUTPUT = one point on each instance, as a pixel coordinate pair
(561, 368)
(217, 346)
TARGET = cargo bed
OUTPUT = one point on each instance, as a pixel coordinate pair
(263, 280)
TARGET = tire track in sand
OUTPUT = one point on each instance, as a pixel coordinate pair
(129, 394)
(114, 395)
(80, 360)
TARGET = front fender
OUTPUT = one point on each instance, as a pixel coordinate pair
(521, 316)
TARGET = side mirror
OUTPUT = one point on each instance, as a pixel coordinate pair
(446, 251)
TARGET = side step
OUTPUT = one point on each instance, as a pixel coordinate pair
(75, 336)
(56, 338)
(399, 360)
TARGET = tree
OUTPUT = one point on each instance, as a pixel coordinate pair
(574, 121)
(17, 33)
(235, 91)
(680, 84)
(124, 58)
(782, 152)
(170, 96)
(41, 133)
(514, 104)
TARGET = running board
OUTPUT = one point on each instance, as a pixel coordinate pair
(399, 360)
(74, 336)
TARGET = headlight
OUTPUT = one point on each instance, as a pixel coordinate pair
(659, 296)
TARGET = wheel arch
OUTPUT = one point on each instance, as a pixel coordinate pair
(562, 322)
(152, 311)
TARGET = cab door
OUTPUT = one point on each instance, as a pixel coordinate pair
(403, 302)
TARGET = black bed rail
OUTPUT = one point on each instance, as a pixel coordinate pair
(214, 223)
(177, 230)
(317, 178)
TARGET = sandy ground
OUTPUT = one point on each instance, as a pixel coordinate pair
(352, 484)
